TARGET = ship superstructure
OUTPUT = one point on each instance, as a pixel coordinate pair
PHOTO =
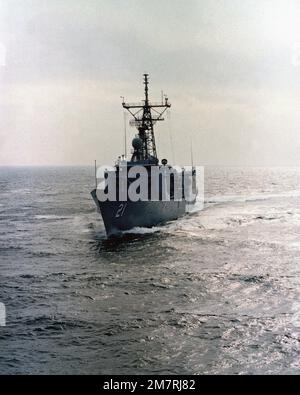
(145, 115)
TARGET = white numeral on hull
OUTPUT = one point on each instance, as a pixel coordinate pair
(121, 210)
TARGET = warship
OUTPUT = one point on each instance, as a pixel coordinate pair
(121, 215)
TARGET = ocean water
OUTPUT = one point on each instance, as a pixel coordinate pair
(214, 292)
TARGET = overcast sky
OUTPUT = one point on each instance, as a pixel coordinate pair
(231, 69)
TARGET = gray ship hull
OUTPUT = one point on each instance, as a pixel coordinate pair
(121, 216)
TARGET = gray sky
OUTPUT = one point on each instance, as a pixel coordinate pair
(231, 69)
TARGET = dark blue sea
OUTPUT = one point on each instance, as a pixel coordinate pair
(217, 291)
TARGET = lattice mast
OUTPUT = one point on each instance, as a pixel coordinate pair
(144, 121)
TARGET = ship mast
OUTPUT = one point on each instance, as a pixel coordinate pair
(144, 121)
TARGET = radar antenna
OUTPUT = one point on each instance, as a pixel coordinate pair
(144, 120)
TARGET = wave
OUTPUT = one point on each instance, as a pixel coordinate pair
(142, 231)
(252, 197)
(52, 217)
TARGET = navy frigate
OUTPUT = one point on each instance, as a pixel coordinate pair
(121, 215)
